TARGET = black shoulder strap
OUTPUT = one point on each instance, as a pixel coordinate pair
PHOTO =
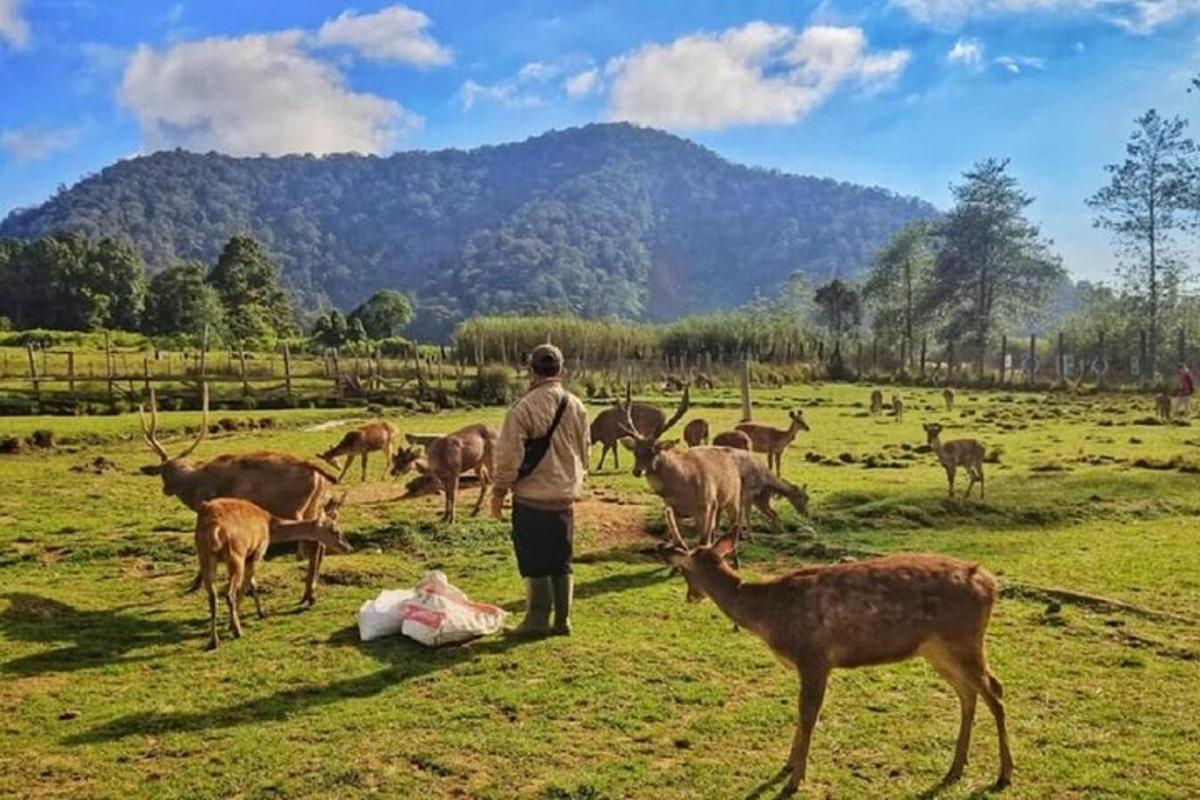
(562, 406)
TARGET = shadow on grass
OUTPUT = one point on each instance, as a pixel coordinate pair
(621, 582)
(406, 660)
(91, 638)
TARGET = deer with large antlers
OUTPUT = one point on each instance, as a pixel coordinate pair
(607, 427)
(876, 611)
(773, 441)
(448, 457)
(965, 453)
(376, 435)
(237, 532)
(699, 483)
(286, 486)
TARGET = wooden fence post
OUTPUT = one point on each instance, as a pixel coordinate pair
(203, 352)
(1101, 362)
(1003, 357)
(1059, 357)
(924, 345)
(747, 411)
(108, 365)
(287, 368)
(146, 373)
(1147, 372)
(71, 370)
(33, 373)
(949, 360)
(337, 373)
(242, 363)
(1030, 372)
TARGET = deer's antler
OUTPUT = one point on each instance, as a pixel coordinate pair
(684, 404)
(203, 423)
(149, 432)
(626, 426)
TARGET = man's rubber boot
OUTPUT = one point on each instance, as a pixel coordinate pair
(564, 592)
(538, 593)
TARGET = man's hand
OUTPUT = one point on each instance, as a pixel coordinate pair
(498, 502)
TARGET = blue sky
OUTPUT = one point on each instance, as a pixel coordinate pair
(900, 93)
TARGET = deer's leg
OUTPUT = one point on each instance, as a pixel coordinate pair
(250, 583)
(451, 496)
(950, 478)
(206, 577)
(388, 455)
(955, 671)
(345, 469)
(990, 689)
(616, 456)
(763, 503)
(484, 480)
(316, 553)
(979, 468)
(233, 593)
(812, 694)
(363, 457)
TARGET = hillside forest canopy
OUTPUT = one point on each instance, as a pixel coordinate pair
(977, 272)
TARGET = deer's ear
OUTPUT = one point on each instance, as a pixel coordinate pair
(725, 545)
(627, 442)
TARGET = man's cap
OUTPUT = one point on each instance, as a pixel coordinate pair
(546, 359)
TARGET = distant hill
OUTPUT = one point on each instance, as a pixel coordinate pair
(604, 220)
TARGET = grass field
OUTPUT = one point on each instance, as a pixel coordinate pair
(106, 690)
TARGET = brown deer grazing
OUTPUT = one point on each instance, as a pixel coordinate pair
(237, 532)
(759, 485)
(446, 458)
(773, 441)
(965, 453)
(606, 427)
(948, 396)
(876, 611)
(695, 433)
(1164, 406)
(704, 381)
(699, 483)
(738, 440)
(377, 435)
(876, 402)
(897, 408)
(286, 486)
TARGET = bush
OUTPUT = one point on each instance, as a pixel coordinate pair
(494, 386)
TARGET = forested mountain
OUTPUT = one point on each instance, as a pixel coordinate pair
(604, 220)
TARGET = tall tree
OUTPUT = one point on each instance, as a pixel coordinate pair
(385, 314)
(179, 301)
(1146, 205)
(839, 308)
(897, 280)
(256, 308)
(989, 259)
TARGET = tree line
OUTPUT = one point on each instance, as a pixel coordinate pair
(69, 282)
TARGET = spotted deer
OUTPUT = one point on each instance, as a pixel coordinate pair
(965, 453)
(237, 532)
(773, 441)
(876, 611)
(377, 435)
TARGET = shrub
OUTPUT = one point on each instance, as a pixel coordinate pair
(492, 386)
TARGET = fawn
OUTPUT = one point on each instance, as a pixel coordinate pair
(447, 457)
(695, 433)
(965, 453)
(897, 408)
(377, 435)
(948, 396)
(238, 532)
(858, 614)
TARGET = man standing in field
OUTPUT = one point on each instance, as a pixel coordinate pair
(1186, 388)
(542, 458)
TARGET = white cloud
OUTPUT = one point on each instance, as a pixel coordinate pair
(506, 93)
(756, 74)
(396, 33)
(1018, 64)
(525, 89)
(583, 83)
(1136, 16)
(33, 144)
(254, 94)
(13, 27)
(968, 52)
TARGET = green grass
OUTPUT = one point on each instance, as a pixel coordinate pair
(107, 692)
